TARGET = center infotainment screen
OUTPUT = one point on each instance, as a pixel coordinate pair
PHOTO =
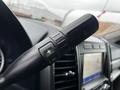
(92, 67)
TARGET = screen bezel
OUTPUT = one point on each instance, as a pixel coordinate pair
(80, 51)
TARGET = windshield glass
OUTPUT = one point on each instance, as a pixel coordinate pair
(61, 13)
(35, 9)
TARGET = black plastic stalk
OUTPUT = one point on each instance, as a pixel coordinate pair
(46, 52)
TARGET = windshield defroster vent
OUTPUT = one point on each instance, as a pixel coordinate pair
(66, 77)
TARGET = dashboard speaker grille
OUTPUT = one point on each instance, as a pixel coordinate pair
(65, 69)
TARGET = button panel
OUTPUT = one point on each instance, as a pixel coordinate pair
(87, 46)
(96, 46)
(102, 46)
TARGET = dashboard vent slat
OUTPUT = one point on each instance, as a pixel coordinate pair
(72, 87)
(68, 67)
(65, 69)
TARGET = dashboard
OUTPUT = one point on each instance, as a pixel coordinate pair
(88, 66)
(80, 68)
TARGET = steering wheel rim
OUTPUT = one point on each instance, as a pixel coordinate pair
(2, 60)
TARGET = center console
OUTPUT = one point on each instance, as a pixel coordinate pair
(92, 58)
(85, 67)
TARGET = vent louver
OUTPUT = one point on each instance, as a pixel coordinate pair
(66, 77)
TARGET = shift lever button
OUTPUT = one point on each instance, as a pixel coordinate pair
(48, 52)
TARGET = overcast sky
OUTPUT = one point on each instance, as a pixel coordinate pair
(75, 4)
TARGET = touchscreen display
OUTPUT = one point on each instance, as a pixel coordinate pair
(92, 67)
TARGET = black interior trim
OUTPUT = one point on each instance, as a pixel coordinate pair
(10, 24)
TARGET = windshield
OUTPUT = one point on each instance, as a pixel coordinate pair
(61, 13)
(35, 9)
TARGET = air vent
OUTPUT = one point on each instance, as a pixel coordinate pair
(66, 72)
